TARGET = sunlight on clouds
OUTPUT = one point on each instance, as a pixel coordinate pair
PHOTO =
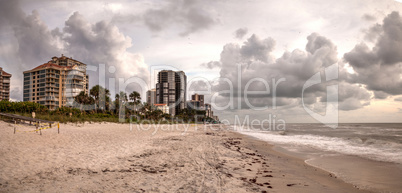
(316, 25)
(114, 7)
(349, 69)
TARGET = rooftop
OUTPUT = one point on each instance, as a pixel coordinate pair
(160, 104)
(6, 74)
(48, 65)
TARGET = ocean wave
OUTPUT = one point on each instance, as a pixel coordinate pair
(380, 150)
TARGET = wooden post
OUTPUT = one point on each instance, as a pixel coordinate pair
(15, 122)
(58, 128)
(40, 130)
(36, 130)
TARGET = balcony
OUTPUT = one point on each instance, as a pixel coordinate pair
(50, 104)
(75, 77)
(50, 76)
(51, 85)
(50, 98)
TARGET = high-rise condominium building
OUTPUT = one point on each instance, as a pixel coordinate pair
(55, 83)
(151, 96)
(171, 90)
(4, 85)
(196, 102)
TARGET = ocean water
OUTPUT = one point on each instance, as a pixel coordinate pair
(348, 151)
(380, 142)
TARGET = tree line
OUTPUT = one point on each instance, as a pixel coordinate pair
(98, 106)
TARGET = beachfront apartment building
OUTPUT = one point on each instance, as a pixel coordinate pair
(5, 79)
(196, 102)
(151, 96)
(208, 110)
(171, 90)
(163, 107)
(199, 98)
(55, 83)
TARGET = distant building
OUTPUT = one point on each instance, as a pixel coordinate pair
(191, 104)
(196, 102)
(151, 96)
(4, 85)
(56, 83)
(163, 107)
(171, 90)
(208, 110)
(199, 98)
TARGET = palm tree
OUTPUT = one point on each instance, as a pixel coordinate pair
(100, 94)
(145, 109)
(135, 97)
(123, 96)
(83, 99)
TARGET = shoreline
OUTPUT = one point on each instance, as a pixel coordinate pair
(293, 164)
(360, 172)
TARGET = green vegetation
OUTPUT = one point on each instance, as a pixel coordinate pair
(95, 108)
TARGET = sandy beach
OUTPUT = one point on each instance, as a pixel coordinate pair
(110, 157)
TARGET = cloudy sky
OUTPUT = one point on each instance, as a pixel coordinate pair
(226, 48)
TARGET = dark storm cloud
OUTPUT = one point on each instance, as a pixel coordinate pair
(102, 43)
(256, 49)
(389, 45)
(242, 65)
(240, 33)
(379, 67)
(189, 15)
(32, 43)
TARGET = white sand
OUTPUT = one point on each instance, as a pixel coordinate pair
(110, 158)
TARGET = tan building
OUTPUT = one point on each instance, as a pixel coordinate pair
(196, 102)
(208, 110)
(4, 85)
(56, 83)
(199, 98)
(151, 96)
(163, 107)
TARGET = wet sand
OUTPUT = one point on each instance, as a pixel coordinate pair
(110, 157)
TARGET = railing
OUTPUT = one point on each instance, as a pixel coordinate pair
(50, 104)
(50, 76)
(52, 85)
(51, 90)
(76, 77)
